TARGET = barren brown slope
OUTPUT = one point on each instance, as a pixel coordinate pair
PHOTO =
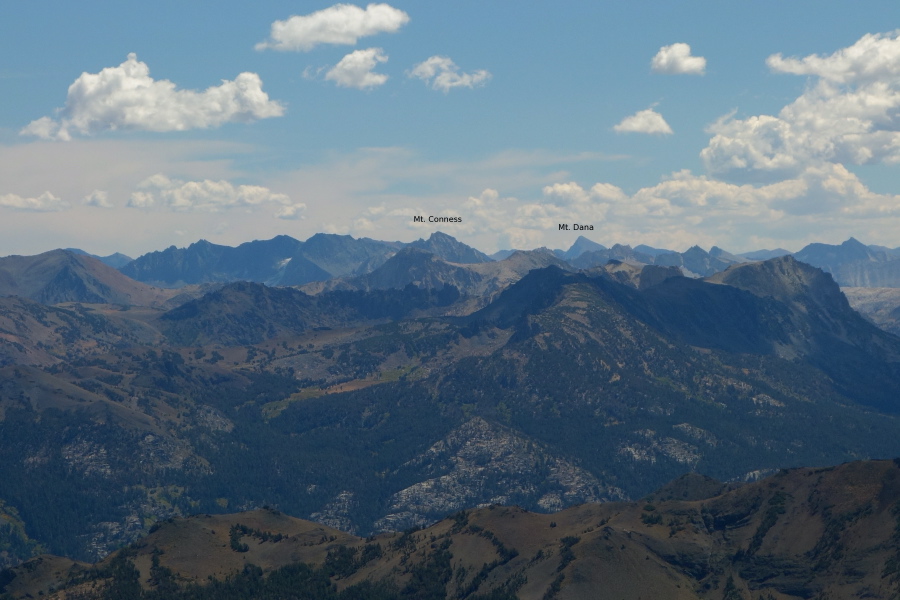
(804, 533)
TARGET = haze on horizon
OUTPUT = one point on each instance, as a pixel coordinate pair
(748, 126)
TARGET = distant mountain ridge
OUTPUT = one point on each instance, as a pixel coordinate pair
(117, 260)
(854, 264)
(63, 276)
(341, 262)
(286, 261)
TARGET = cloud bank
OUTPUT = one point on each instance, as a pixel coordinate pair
(339, 24)
(127, 98)
(159, 191)
(46, 202)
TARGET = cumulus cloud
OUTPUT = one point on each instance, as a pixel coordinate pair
(817, 199)
(573, 194)
(46, 202)
(850, 114)
(98, 198)
(441, 73)
(677, 60)
(339, 24)
(356, 70)
(159, 191)
(874, 57)
(644, 121)
(291, 212)
(684, 209)
(127, 98)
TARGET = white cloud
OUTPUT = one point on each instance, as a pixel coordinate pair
(159, 191)
(677, 60)
(644, 121)
(573, 194)
(291, 211)
(570, 193)
(850, 114)
(818, 200)
(98, 198)
(442, 74)
(46, 202)
(356, 69)
(874, 57)
(127, 98)
(825, 202)
(338, 24)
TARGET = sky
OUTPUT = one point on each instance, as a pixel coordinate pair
(134, 126)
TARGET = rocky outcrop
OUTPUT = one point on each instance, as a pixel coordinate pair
(480, 461)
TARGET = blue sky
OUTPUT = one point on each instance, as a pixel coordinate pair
(744, 125)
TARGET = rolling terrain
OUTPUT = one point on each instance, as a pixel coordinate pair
(802, 533)
(390, 398)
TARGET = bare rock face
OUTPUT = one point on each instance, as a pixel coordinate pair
(480, 460)
(881, 306)
(337, 513)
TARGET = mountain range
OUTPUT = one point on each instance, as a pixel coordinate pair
(407, 386)
(325, 256)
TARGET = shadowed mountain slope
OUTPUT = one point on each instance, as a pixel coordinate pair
(367, 410)
(413, 266)
(343, 255)
(245, 313)
(62, 276)
(862, 359)
(204, 262)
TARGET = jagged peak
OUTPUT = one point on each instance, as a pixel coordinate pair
(450, 249)
(440, 235)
